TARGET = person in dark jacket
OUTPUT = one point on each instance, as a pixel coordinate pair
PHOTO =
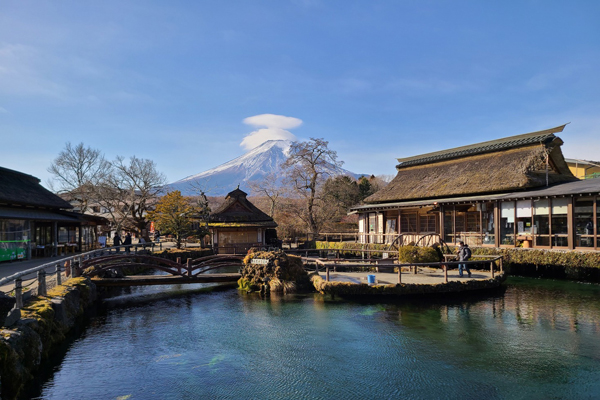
(464, 253)
(127, 242)
(117, 241)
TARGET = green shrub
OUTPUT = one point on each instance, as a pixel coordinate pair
(416, 254)
(353, 249)
(538, 257)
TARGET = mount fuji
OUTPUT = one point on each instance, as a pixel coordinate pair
(252, 166)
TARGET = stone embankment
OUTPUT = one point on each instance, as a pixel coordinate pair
(45, 322)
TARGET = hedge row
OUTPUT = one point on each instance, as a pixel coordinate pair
(172, 254)
(537, 257)
(353, 249)
(512, 256)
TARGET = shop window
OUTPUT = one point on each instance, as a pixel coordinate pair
(541, 222)
(427, 223)
(390, 230)
(560, 227)
(524, 224)
(448, 227)
(507, 223)
(487, 216)
(408, 222)
(583, 211)
(372, 227)
(597, 229)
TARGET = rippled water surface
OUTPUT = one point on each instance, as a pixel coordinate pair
(537, 340)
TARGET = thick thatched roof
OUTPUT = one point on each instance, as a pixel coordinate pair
(17, 188)
(510, 164)
(237, 211)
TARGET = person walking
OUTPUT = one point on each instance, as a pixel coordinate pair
(127, 242)
(464, 253)
(117, 241)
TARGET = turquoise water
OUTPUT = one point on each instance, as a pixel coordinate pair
(536, 340)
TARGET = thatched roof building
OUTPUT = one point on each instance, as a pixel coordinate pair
(34, 220)
(514, 191)
(509, 164)
(237, 210)
(239, 225)
(19, 189)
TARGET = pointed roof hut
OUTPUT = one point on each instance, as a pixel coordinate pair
(239, 211)
(239, 225)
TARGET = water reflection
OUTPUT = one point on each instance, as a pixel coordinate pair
(537, 339)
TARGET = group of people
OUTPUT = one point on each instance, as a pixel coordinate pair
(126, 241)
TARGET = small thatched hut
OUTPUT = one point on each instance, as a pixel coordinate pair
(514, 191)
(239, 225)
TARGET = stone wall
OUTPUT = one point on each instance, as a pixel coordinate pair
(45, 322)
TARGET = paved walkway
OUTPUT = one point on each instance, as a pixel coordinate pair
(425, 276)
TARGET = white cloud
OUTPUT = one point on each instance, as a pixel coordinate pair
(275, 127)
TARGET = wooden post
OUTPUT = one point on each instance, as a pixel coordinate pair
(399, 275)
(42, 283)
(68, 268)
(492, 268)
(445, 273)
(327, 273)
(178, 259)
(58, 274)
(501, 264)
(18, 293)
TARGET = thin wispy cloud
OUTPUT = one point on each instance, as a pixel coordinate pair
(273, 127)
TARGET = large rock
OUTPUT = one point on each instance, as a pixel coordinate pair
(283, 273)
(6, 304)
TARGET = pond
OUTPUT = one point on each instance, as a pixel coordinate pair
(537, 339)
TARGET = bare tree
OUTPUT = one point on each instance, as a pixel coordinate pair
(307, 166)
(77, 170)
(269, 186)
(142, 185)
(130, 191)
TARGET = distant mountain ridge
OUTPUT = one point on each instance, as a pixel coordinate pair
(251, 166)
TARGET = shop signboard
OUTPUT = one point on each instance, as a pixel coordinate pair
(13, 250)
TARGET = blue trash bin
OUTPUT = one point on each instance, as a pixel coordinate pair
(371, 278)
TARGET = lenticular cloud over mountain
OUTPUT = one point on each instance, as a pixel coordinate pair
(273, 127)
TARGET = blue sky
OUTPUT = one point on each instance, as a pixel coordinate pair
(178, 82)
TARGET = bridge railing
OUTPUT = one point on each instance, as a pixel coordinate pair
(494, 261)
(39, 280)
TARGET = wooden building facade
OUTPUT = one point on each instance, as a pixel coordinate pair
(239, 225)
(515, 191)
(36, 222)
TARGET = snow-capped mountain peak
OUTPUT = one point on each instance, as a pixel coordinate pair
(251, 166)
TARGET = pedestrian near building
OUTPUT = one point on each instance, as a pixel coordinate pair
(464, 253)
(117, 241)
(127, 242)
